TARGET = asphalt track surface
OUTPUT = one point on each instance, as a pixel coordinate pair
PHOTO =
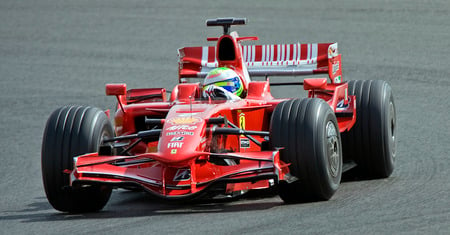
(56, 52)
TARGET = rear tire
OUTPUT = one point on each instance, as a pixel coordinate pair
(371, 143)
(72, 131)
(307, 131)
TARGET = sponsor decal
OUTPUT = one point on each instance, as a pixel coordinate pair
(242, 121)
(182, 174)
(173, 151)
(341, 105)
(179, 138)
(245, 143)
(184, 120)
(332, 50)
(179, 133)
(175, 145)
(181, 128)
(335, 67)
(337, 79)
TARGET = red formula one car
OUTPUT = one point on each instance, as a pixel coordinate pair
(188, 145)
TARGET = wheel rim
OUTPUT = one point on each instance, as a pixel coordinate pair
(333, 149)
(392, 129)
(105, 135)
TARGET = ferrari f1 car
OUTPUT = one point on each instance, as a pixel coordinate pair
(181, 145)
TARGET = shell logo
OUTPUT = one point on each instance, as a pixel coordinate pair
(184, 120)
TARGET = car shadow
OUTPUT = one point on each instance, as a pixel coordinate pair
(125, 203)
(355, 175)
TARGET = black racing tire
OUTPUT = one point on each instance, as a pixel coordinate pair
(308, 132)
(72, 131)
(371, 142)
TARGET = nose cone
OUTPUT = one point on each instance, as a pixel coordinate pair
(181, 137)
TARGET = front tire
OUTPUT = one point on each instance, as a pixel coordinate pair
(371, 142)
(72, 131)
(307, 131)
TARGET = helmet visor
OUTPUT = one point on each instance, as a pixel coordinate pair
(232, 85)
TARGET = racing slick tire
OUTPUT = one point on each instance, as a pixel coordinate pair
(71, 131)
(371, 142)
(308, 133)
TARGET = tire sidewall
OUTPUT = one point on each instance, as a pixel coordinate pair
(323, 161)
(389, 115)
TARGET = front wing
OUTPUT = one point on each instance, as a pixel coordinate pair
(245, 171)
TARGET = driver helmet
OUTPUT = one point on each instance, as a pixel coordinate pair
(225, 78)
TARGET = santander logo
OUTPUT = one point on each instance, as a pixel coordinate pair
(184, 120)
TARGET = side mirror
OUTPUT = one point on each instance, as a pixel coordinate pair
(315, 83)
(116, 89)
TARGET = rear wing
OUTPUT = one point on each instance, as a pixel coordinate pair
(267, 60)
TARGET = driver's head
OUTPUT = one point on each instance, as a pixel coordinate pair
(225, 78)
